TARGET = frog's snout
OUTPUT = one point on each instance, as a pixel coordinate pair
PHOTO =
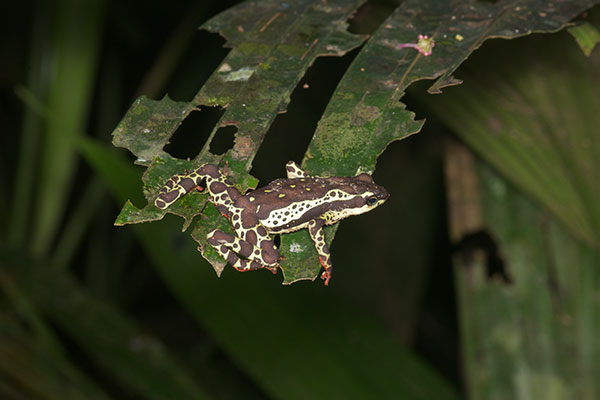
(382, 194)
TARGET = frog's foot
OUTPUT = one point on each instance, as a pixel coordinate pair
(272, 268)
(231, 248)
(177, 186)
(315, 228)
(326, 276)
(294, 171)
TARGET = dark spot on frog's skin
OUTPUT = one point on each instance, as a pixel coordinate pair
(249, 219)
(269, 254)
(217, 187)
(246, 249)
(261, 230)
(219, 237)
(364, 178)
(233, 193)
(188, 184)
(169, 197)
(251, 237)
(210, 170)
(236, 226)
(333, 194)
(231, 258)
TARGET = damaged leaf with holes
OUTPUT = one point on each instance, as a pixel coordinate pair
(365, 114)
(272, 45)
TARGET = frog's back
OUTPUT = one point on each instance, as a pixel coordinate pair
(286, 205)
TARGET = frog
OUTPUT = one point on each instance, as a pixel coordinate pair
(285, 205)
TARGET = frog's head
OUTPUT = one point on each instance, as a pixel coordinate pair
(372, 195)
(353, 196)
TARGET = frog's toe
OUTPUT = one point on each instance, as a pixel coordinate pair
(272, 268)
(326, 276)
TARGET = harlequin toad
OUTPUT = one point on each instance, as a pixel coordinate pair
(284, 205)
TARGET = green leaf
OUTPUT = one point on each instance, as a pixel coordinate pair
(136, 360)
(74, 46)
(587, 37)
(324, 348)
(29, 369)
(272, 47)
(365, 114)
(536, 120)
(535, 338)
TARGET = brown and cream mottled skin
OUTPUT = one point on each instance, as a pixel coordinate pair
(284, 205)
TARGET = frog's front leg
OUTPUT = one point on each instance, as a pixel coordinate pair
(294, 171)
(315, 228)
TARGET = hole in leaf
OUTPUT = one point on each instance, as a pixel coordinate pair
(482, 240)
(291, 132)
(202, 56)
(188, 139)
(370, 16)
(223, 140)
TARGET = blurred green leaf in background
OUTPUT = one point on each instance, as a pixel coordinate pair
(89, 310)
(534, 121)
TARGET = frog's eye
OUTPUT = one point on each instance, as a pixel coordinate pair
(371, 201)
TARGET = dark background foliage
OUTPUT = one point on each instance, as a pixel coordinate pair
(393, 271)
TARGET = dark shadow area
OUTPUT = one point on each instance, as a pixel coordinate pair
(165, 317)
(189, 138)
(88, 366)
(437, 338)
(200, 59)
(370, 16)
(291, 132)
(483, 241)
(223, 140)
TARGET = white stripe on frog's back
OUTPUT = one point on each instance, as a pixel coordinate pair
(296, 210)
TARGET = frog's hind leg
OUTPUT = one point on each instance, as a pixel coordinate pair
(179, 185)
(175, 187)
(231, 247)
(315, 228)
(294, 171)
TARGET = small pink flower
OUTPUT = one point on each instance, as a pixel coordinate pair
(424, 45)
